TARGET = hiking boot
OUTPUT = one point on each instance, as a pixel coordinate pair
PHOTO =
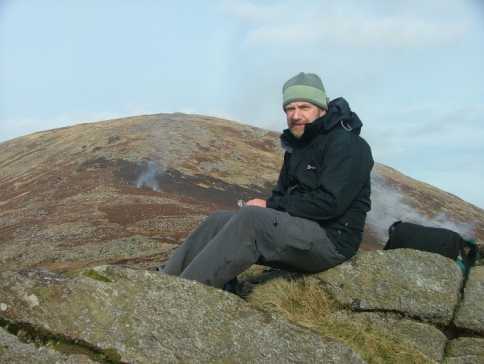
(231, 286)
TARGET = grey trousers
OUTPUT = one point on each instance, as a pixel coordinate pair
(227, 243)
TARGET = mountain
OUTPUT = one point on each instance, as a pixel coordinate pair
(127, 191)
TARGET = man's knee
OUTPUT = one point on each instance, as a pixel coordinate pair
(257, 219)
(248, 215)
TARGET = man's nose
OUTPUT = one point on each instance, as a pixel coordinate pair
(296, 114)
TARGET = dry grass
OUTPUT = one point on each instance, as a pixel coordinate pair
(299, 300)
(302, 301)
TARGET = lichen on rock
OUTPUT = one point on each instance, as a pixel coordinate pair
(145, 316)
(414, 283)
(470, 314)
(465, 350)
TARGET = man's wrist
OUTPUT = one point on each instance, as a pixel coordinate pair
(257, 202)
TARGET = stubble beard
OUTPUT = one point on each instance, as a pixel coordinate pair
(297, 132)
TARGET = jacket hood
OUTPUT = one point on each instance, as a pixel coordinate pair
(339, 115)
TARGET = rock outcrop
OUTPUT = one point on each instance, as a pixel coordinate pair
(131, 316)
(470, 314)
(410, 282)
(114, 314)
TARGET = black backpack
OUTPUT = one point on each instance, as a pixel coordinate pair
(434, 240)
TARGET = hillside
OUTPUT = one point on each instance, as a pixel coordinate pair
(127, 191)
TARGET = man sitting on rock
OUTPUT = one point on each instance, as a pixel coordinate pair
(315, 216)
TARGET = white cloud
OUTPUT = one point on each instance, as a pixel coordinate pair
(386, 32)
(293, 24)
(254, 13)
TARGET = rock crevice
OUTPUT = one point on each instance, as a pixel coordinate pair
(39, 336)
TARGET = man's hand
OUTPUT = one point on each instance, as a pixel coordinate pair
(256, 202)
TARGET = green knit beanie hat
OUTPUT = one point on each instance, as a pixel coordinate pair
(305, 87)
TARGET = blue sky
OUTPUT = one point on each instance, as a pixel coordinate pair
(411, 69)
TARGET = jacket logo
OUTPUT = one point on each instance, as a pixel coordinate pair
(310, 167)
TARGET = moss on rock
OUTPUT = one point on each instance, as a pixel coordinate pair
(145, 316)
(91, 273)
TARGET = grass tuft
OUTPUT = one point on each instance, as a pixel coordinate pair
(304, 302)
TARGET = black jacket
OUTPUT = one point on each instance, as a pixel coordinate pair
(326, 176)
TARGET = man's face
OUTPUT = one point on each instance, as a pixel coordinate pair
(300, 113)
